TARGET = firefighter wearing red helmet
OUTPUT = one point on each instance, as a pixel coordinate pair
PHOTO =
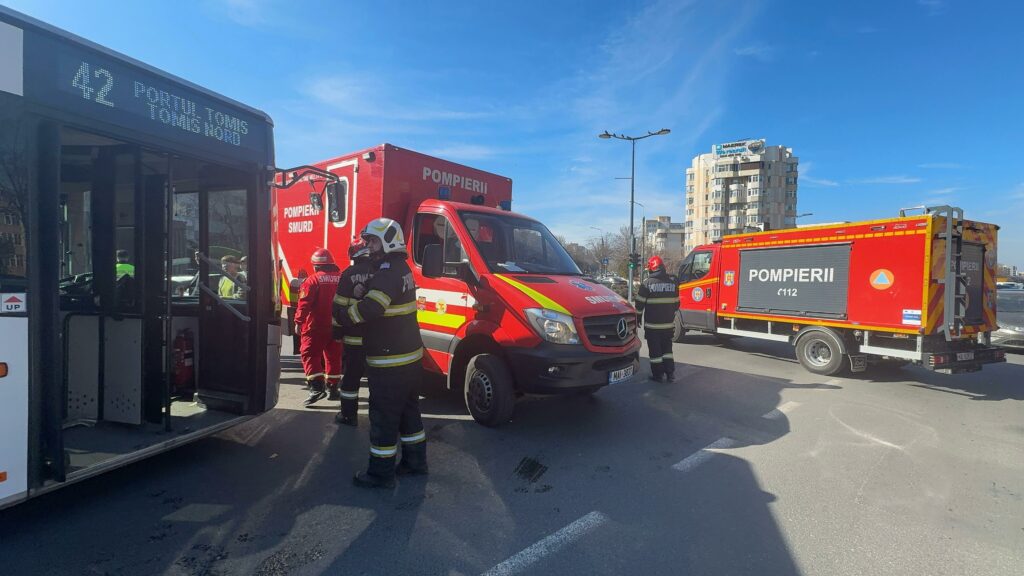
(658, 301)
(394, 356)
(353, 286)
(320, 353)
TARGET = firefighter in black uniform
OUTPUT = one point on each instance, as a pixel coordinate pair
(394, 353)
(353, 286)
(658, 300)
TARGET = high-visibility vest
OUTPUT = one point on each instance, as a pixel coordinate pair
(124, 269)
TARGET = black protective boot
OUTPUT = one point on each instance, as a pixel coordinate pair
(366, 480)
(341, 418)
(316, 393)
(333, 394)
(654, 377)
(670, 377)
(414, 460)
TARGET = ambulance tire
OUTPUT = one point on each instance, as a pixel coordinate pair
(677, 330)
(821, 353)
(489, 390)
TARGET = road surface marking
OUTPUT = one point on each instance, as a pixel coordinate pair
(705, 454)
(549, 545)
(781, 410)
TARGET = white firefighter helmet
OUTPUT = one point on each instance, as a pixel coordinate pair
(389, 232)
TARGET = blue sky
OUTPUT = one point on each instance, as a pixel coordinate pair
(887, 103)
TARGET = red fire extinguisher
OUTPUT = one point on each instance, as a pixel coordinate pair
(184, 352)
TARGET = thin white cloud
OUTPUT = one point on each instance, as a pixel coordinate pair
(934, 7)
(465, 152)
(368, 96)
(248, 13)
(941, 165)
(889, 180)
(819, 181)
(805, 176)
(758, 52)
(943, 191)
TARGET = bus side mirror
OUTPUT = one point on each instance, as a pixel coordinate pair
(433, 261)
(337, 200)
(317, 201)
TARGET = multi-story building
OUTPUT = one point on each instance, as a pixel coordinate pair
(664, 237)
(739, 186)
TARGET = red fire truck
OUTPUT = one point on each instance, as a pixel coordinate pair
(503, 309)
(917, 288)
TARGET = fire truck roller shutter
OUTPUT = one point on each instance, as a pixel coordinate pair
(803, 280)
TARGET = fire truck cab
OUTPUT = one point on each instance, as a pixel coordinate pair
(503, 309)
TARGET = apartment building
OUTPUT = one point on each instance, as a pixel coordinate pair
(739, 186)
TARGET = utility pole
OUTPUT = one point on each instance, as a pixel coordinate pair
(632, 194)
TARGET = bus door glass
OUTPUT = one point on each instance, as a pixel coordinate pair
(15, 188)
(226, 308)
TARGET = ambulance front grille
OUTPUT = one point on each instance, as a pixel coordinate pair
(605, 330)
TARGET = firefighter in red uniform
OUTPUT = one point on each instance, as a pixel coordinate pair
(658, 301)
(394, 355)
(320, 353)
(352, 287)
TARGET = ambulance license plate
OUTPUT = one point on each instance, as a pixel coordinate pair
(620, 375)
(965, 355)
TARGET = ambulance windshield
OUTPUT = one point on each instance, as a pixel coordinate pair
(513, 244)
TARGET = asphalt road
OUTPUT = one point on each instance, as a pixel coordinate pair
(746, 465)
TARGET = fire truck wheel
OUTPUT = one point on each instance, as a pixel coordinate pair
(490, 394)
(677, 330)
(820, 352)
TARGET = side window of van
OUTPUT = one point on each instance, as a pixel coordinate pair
(435, 229)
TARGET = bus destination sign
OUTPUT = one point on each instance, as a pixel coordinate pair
(98, 85)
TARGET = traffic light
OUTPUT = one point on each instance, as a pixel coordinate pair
(634, 260)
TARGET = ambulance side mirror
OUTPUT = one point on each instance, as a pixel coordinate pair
(433, 261)
(316, 201)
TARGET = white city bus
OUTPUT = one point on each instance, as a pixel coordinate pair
(127, 199)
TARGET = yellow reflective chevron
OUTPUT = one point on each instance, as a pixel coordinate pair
(414, 438)
(383, 451)
(379, 297)
(395, 359)
(662, 300)
(446, 320)
(353, 313)
(400, 309)
(541, 299)
(342, 300)
(666, 326)
(353, 340)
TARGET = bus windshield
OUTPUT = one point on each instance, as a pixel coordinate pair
(515, 244)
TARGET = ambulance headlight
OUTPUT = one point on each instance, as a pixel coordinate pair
(553, 326)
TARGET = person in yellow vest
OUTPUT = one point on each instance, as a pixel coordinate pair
(123, 267)
(226, 288)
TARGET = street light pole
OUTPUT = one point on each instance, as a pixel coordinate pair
(604, 251)
(632, 192)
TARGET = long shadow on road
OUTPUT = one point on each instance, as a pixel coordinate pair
(272, 496)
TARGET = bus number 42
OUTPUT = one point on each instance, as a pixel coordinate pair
(81, 81)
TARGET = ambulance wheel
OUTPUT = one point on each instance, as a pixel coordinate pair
(490, 394)
(677, 330)
(819, 352)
